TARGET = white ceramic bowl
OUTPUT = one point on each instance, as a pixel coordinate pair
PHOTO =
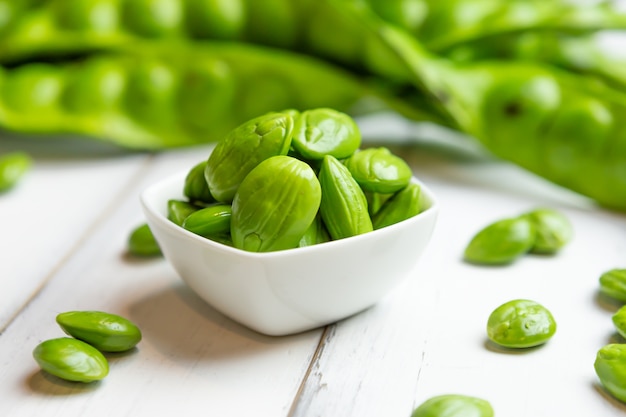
(290, 291)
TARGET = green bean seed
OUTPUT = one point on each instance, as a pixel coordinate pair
(178, 211)
(149, 93)
(105, 331)
(33, 89)
(378, 170)
(320, 132)
(152, 18)
(275, 205)
(315, 234)
(71, 359)
(403, 205)
(501, 242)
(454, 405)
(95, 15)
(141, 242)
(613, 284)
(520, 324)
(610, 367)
(207, 95)
(209, 221)
(344, 206)
(196, 188)
(216, 19)
(375, 201)
(619, 321)
(13, 166)
(95, 87)
(553, 230)
(243, 149)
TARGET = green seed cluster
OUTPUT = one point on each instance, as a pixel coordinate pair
(540, 231)
(289, 179)
(79, 357)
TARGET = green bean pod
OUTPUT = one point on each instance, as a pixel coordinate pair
(275, 205)
(149, 97)
(344, 206)
(563, 127)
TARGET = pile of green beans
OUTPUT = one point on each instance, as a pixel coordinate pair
(290, 179)
(554, 114)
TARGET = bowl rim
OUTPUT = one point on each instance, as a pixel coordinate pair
(147, 201)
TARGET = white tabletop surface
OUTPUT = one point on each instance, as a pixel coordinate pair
(63, 235)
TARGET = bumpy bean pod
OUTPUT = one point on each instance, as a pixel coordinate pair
(610, 367)
(344, 206)
(155, 97)
(613, 284)
(562, 127)
(196, 188)
(443, 26)
(520, 324)
(454, 405)
(142, 242)
(378, 170)
(501, 242)
(324, 131)
(13, 166)
(105, 331)
(403, 205)
(553, 230)
(275, 205)
(178, 210)
(209, 221)
(243, 149)
(71, 359)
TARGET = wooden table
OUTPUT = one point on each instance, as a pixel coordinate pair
(63, 235)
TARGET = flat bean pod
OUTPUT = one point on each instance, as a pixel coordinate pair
(563, 127)
(164, 98)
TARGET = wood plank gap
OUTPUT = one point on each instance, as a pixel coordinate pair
(88, 231)
(317, 355)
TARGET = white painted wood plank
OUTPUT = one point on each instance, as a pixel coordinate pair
(191, 361)
(51, 211)
(428, 337)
